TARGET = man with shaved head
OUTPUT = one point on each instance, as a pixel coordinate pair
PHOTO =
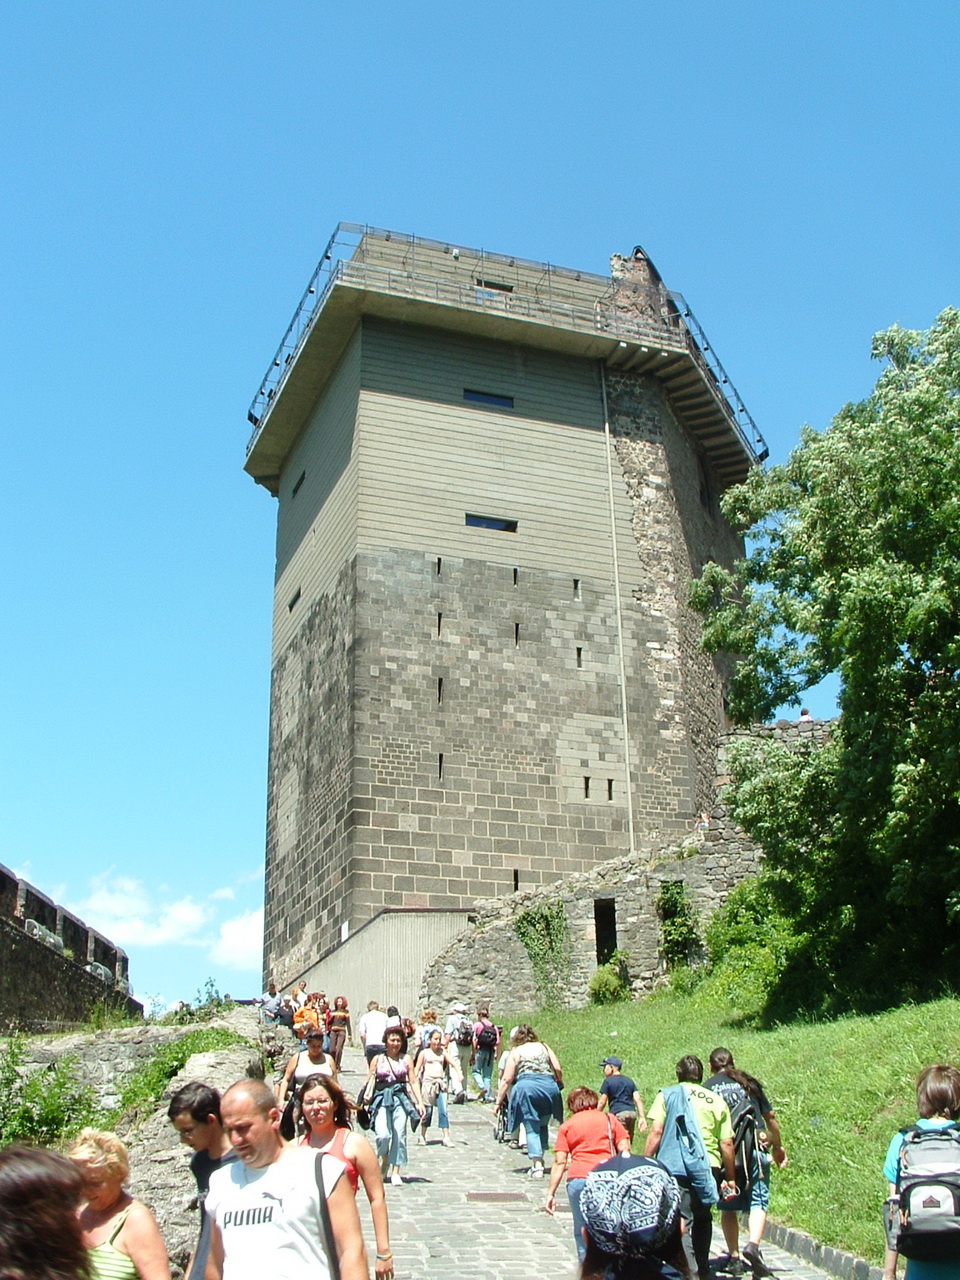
(266, 1205)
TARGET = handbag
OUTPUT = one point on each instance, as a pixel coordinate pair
(364, 1119)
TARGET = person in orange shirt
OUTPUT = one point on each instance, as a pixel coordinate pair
(585, 1140)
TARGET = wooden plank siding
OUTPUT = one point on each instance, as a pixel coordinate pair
(427, 457)
(317, 528)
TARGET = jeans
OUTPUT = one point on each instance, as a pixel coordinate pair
(574, 1187)
(443, 1121)
(483, 1069)
(534, 1099)
(390, 1131)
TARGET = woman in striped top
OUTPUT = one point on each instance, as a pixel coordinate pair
(119, 1233)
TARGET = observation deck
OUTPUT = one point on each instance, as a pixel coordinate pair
(629, 321)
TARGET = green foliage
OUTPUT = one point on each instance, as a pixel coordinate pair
(854, 568)
(546, 940)
(143, 1087)
(679, 934)
(610, 982)
(43, 1106)
(840, 1089)
(109, 1015)
(209, 1004)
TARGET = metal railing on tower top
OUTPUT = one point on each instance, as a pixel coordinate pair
(404, 265)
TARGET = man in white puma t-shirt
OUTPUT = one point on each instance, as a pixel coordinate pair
(265, 1205)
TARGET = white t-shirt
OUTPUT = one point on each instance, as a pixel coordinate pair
(270, 1218)
(372, 1026)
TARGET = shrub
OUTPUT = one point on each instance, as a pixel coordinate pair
(679, 935)
(610, 982)
(43, 1106)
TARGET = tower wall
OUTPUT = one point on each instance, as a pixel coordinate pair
(397, 592)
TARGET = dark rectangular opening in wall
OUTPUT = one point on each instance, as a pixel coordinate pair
(439, 623)
(586, 788)
(579, 656)
(500, 523)
(439, 689)
(576, 588)
(605, 927)
(299, 484)
(609, 788)
(440, 766)
(494, 284)
(516, 576)
(292, 602)
(516, 880)
(439, 565)
(516, 634)
(487, 397)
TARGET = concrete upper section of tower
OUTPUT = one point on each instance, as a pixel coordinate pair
(628, 320)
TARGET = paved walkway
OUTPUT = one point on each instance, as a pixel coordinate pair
(473, 1207)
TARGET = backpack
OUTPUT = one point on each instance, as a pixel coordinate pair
(927, 1226)
(464, 1032)
(748, 1132)
(487, 1037)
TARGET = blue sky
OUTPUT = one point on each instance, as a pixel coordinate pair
(171, 175)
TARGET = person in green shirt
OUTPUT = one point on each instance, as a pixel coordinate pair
(713, 1119)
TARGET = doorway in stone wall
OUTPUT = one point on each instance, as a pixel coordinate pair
(605, 927)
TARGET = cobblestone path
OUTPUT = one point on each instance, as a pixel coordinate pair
(471, 1207)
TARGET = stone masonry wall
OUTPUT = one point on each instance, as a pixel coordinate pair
(308, 814)
(488, 962)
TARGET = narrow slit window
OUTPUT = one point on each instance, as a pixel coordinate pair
(516, 634)
(292, 602)
(490, 398)
(299, 484)
(439, 565)
(586, 788)
(576, 588)
(439, 690)
(516, 577)
(500, 523)
(440, 767)
(516, 880)
(579, 657)
(609, 788)
(439, 623)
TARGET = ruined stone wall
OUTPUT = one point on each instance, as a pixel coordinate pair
(44, 979)
(488, 961)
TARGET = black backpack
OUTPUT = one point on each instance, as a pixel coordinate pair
(748, 1133)
(923, 1221)
(487, 1037)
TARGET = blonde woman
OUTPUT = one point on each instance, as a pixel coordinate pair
(119, 1233)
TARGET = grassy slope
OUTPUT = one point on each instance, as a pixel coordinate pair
(839, 1089)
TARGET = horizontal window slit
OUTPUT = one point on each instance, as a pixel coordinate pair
(500, 523)
(487, 397)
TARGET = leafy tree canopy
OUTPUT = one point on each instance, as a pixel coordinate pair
(853, 567)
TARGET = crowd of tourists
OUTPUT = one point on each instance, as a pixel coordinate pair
(278, 1168)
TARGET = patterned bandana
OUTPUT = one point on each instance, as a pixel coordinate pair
(630, 1211)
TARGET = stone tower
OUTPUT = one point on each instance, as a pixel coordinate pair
(495, 479)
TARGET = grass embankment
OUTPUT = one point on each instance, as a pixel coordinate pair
(839, 1089)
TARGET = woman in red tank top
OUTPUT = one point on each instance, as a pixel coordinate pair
(326, 1109)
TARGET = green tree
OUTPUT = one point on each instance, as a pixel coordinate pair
(853, 567)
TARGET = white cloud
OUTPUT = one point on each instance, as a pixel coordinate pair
(240, 945)
(225, 893)
(121, 908)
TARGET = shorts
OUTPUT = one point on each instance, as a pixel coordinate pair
(756, 1196)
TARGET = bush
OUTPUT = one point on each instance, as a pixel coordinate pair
(679, 935)
(610, 982)
(209, 1004)
(44, 1106)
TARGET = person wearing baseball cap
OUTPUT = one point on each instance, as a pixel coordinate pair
(620, 1093)
(631, 1212)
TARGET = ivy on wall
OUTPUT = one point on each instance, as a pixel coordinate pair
(679, 935)
(546, 939)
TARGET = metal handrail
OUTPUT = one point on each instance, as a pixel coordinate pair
(677, 328)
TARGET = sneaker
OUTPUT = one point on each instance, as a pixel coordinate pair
(445, 1141)
(535, 1171)
(732, 1266)
(754, 1260)
(396, 1180)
